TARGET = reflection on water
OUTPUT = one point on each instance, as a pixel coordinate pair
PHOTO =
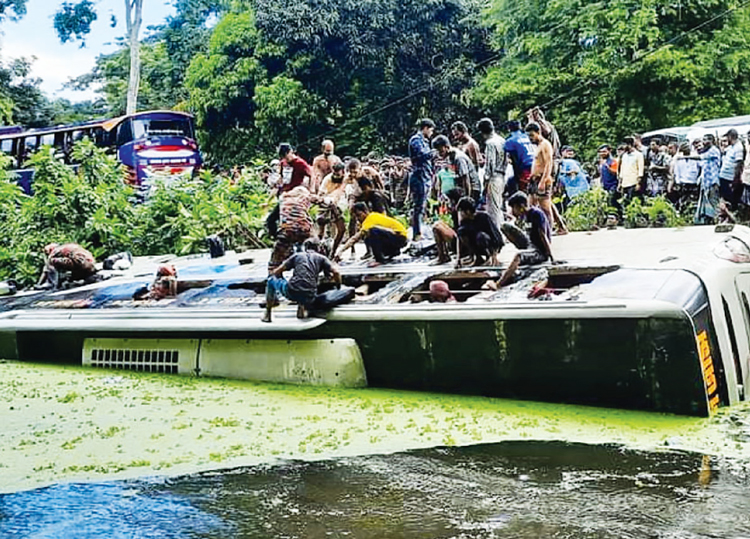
(518, 490)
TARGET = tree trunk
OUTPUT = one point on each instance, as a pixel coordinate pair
(133, 19)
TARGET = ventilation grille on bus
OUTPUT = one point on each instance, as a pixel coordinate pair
(136, 360)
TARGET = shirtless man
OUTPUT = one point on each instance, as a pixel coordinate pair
(322, 165)
(356, 170)
(541, 175)
(466, 143)
(333, 202)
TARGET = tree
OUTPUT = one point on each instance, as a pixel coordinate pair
(73, 22)
(362, 69)
(12, 9)
(608, 69)
(165, 56)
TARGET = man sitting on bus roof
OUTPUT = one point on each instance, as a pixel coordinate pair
(534, 247)
(68, 258)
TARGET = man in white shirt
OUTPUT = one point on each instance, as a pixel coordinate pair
(630, 171)
(730, 174)
(494, 169)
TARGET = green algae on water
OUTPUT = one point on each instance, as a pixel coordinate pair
(72, 423)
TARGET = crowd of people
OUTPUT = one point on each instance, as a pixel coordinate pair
(483, 197)
(472, 198)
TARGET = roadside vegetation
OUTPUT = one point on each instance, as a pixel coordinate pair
(92, 206)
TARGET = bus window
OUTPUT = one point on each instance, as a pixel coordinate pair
(6, 146)
(733, 341)
(124, 133)
(177, 127)
(28, 147)
(47, 140)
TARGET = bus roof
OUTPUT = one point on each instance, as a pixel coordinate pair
(107, 124)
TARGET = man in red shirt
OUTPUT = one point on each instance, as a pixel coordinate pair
(293, 169)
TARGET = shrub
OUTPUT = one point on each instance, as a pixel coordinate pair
(93, 207)
(656, 212)
(589, 211)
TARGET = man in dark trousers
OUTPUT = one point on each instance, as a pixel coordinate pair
(303, 286)
(478, 233)
(384, 235)
(534, 247)
(421, 156)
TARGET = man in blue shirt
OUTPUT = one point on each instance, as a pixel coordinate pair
(521, 152)
(420, 153)
(607, 169)
(534, 247)
(708, 203)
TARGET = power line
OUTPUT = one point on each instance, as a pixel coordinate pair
(390, 104)
(651, 51)
(552, 101)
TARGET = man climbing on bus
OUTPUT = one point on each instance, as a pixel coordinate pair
(303, 286)
(68, 260)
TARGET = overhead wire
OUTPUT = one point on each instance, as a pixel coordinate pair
(545, 105)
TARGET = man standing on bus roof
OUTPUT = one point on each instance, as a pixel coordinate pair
(421, 156)
(293, 172)
(322, 165)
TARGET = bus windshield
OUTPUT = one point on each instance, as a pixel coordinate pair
(177, 127)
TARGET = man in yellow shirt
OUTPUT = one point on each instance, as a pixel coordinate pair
(382, 234)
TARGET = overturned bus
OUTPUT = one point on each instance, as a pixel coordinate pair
(650, 319)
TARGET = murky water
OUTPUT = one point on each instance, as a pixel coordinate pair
(512, 489)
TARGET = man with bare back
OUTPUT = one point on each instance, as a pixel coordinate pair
(322, 165)
(541, 182)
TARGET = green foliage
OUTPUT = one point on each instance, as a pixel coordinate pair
(90, 207)
(656, 212)
(93, 207)
(589, 211)
(73, 21)
(603, 67)
(178, 218)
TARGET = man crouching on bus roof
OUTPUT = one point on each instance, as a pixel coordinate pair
(303, 286)
(69, 257)
(534, 248)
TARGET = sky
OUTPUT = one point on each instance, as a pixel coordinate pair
(55, 63)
